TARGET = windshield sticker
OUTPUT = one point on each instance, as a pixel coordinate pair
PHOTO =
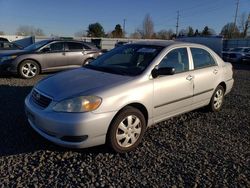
(146, 50)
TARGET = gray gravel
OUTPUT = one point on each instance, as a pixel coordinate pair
(197, 149)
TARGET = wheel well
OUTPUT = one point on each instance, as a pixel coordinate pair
(138, 106)
(223, 85)
(31, 60)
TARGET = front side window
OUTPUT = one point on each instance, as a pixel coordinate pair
(129, 60)
(75, 46)
(177, 58)
(202, 58)
(56, 47)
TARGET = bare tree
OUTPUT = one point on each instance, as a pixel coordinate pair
(229, 31)
(164, 34)
(244, 24)
(147, 27)
(26, 30)
(1, 33)
(136, 35)
(81, 33)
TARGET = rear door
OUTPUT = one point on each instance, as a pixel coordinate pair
(206, 75)
(75, 54)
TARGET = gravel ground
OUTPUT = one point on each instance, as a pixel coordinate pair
(197, 149)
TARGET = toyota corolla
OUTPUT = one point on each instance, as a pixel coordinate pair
(116, 97)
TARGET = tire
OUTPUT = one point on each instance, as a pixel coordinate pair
(87, 61)
(217, 99)
(28, 69)
(126, 130)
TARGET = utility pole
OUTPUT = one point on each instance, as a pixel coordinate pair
(124, 27)
(177, 22)
(236, 14)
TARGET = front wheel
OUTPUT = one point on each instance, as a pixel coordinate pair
(29, 69)
(217, 99)
(127, 130)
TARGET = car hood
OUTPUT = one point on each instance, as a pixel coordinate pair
(78, 82)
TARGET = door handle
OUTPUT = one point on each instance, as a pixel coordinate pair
(63, 53)
(189, 77)
(215, 71)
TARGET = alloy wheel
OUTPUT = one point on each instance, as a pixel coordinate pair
(29, 70)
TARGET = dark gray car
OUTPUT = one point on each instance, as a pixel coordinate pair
(46, 56)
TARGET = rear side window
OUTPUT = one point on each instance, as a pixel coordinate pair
(177, 58)
(202, 58)
(75, 46)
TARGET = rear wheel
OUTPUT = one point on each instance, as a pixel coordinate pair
(29, 69)
(217, 99)
(127, 130)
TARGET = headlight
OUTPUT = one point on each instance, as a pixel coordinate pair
(78, 104)
(5, 58)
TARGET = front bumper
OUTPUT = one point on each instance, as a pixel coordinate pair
(55, 126)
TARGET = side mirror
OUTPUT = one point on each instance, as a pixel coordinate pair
(162, 71)
(46, 49)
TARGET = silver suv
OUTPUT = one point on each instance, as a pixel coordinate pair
(117, 96)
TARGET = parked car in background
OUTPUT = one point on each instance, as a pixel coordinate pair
(246, 58)
(4, 45)
(236, 55)
(117, 96)
(48, 55)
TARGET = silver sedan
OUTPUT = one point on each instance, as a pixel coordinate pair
(115, 98)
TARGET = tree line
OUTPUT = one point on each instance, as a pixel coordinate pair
(146, 30)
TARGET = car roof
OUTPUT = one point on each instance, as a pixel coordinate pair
(166, 43)
(63, 40)
(156, 43)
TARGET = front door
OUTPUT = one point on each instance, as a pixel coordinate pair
(55, 57)
(173, 93)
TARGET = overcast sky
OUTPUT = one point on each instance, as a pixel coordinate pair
(66, 17)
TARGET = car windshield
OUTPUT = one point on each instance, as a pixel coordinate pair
(36, 45)
(128, 60)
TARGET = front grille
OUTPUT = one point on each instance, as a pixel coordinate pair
(40, 99)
